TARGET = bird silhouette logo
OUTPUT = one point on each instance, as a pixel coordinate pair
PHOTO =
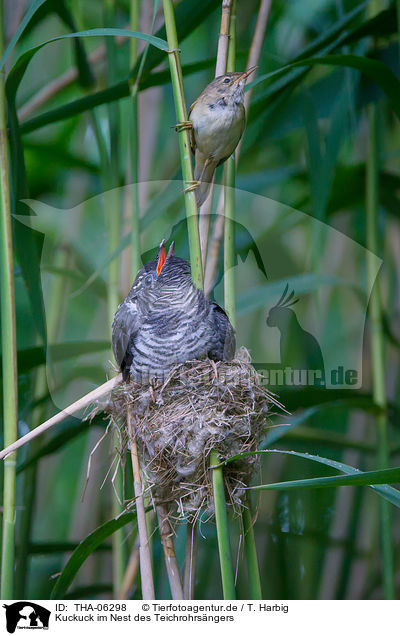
(299, 349)
(26, 615)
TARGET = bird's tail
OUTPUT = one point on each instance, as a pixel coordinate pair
(203, 172)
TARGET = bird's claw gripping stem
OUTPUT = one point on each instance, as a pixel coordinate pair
(192, 186)
(183, 125)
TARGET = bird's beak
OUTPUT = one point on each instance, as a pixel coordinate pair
(244, 75)
(163, 256)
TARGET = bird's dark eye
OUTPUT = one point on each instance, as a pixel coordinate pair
(148, 281)
(227, 80)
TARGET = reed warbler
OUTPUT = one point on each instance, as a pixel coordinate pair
(217, 120)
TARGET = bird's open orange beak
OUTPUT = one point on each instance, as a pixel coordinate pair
(244, 75)
(163, 256)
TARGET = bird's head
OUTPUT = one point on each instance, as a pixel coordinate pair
(229, 86)
(163, 283)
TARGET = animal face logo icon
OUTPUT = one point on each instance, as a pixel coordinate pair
(26, 615)
(299, 349)
(280, 314)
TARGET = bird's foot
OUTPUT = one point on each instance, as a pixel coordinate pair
(192, 186)
(183, 125)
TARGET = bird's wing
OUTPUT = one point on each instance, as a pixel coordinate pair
(124, 328)
(192, 139)
(225, 342)
(239, 134)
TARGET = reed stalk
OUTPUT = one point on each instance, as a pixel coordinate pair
(230, 306)
(251, 552)
(146, 571)
(226, 62)
(171, 562)
(113, 217)
(229, 198)
(184, 143)
(218, 228)
(190, 560)
(221, 518)
(71, 409)
(9, 348)
(136, 262)
(54, 314)
(377, 343)
(130, 573)
(220, 69)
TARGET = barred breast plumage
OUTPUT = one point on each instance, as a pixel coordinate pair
(165, 320)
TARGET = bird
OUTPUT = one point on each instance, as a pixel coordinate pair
(165, 320)
(217, 120)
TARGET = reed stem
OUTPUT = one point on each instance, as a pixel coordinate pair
(146, 571)
(251, 552)
(54, 314)
(221, 517)
(190, 559)
(184, 144)
(220, 69)
(136, 262)
(171, 562)
(377, 344)
(71, 409)
(229, 198)
(9, 348)
(113, 217)
(218, 228)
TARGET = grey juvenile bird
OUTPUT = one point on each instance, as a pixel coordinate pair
(166, 320)
(217, 120)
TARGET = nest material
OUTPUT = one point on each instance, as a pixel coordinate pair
(202, 406)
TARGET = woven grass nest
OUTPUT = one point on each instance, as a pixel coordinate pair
(201, 406)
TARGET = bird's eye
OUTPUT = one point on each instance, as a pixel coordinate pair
(148, 281)
(227, 80)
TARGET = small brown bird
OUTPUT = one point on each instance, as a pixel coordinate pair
(217, 120)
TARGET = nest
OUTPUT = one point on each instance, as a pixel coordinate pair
(201, 406)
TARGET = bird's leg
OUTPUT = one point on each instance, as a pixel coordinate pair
(197, 182)
(183, 125)
(207, 161)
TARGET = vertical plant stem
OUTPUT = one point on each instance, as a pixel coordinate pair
(229, 198)
(130, 573)
(230, 308)
(171, 562)
(377, 345)
(251, 552)
(190, 559)
(220, 68)
(398, 21)
(184, 143)
(229, 241)
(223, 39)
(54, 314)
(218, 228)
(255, 52)
(113, 213)
(226, 61)
(134, 150)
(9, 349)
(146, 572)
(221, 517)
